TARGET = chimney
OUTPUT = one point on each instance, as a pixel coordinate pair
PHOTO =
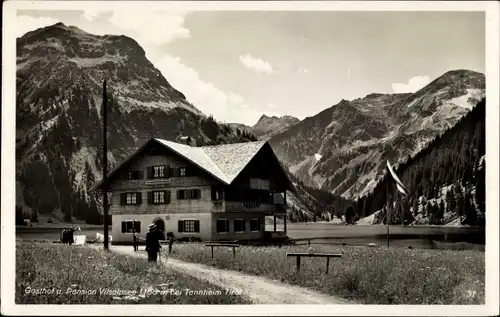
(185, 140)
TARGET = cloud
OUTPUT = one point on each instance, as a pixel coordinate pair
(224, 106)
(27, 24)
(158, 27)
(92, 14)
(302, 70)
(413, 85)
(256, 64)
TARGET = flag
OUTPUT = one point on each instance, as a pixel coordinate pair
(399, 185)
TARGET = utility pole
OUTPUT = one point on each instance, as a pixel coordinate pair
(105, 164)
(387, 206)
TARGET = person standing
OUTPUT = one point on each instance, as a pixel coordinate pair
(71, 237)
(170, 237)
(63, 236)
(152, 243)
(134, 236)
(135, 242)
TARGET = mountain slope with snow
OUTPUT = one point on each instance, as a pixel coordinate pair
(343, 148)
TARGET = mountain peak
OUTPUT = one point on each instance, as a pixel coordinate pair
(55, 30)
(265, 119)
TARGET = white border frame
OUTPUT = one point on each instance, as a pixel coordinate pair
(492, 177)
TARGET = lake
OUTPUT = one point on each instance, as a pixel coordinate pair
(416, 236)
(419, 237)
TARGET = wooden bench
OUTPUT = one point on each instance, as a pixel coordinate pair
(315, 255)
(212, 245)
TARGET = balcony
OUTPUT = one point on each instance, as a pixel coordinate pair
(235, 206)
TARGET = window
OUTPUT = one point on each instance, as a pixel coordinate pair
(133, 175)
(255, 225)
(188, 194)
(217, 193)
(128, 226)
(239, 225)
(188, 226)
(130, 199)
(182, 171)
(222, 225)
(158, 171)
(257, 183)
(159, 197)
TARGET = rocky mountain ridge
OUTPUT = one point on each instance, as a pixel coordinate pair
(343, 149)
(60, 70)
(268, 126)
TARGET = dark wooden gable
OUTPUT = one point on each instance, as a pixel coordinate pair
(264, 165)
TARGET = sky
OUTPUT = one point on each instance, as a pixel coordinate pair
(238, 65)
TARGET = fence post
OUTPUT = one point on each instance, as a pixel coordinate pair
(212, 251)
(298, 263)
(327, 263)
(234, 251)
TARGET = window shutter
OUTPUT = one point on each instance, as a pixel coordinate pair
(178, 194)
(214, 190)
(196, 226)
(139, 198)
(167, 196)
(166, 169)
(137, 226)
(149, 171)
(175, 171)
(198, 193)
(180, 226)
(140, 175)
(227, 225)
(123, 198)
(150, 198)
(243, 223)
(124, 226)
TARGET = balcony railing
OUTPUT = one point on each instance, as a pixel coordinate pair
(218, 206)
(231, 206)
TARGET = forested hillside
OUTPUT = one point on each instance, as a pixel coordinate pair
(446, 180)
(319, 202)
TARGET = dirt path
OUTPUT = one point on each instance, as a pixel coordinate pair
(258, 289)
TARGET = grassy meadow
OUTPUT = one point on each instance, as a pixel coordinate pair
(41, 267)
(365, 275)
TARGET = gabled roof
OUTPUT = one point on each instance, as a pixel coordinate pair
(232, 158)
(224, 162)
